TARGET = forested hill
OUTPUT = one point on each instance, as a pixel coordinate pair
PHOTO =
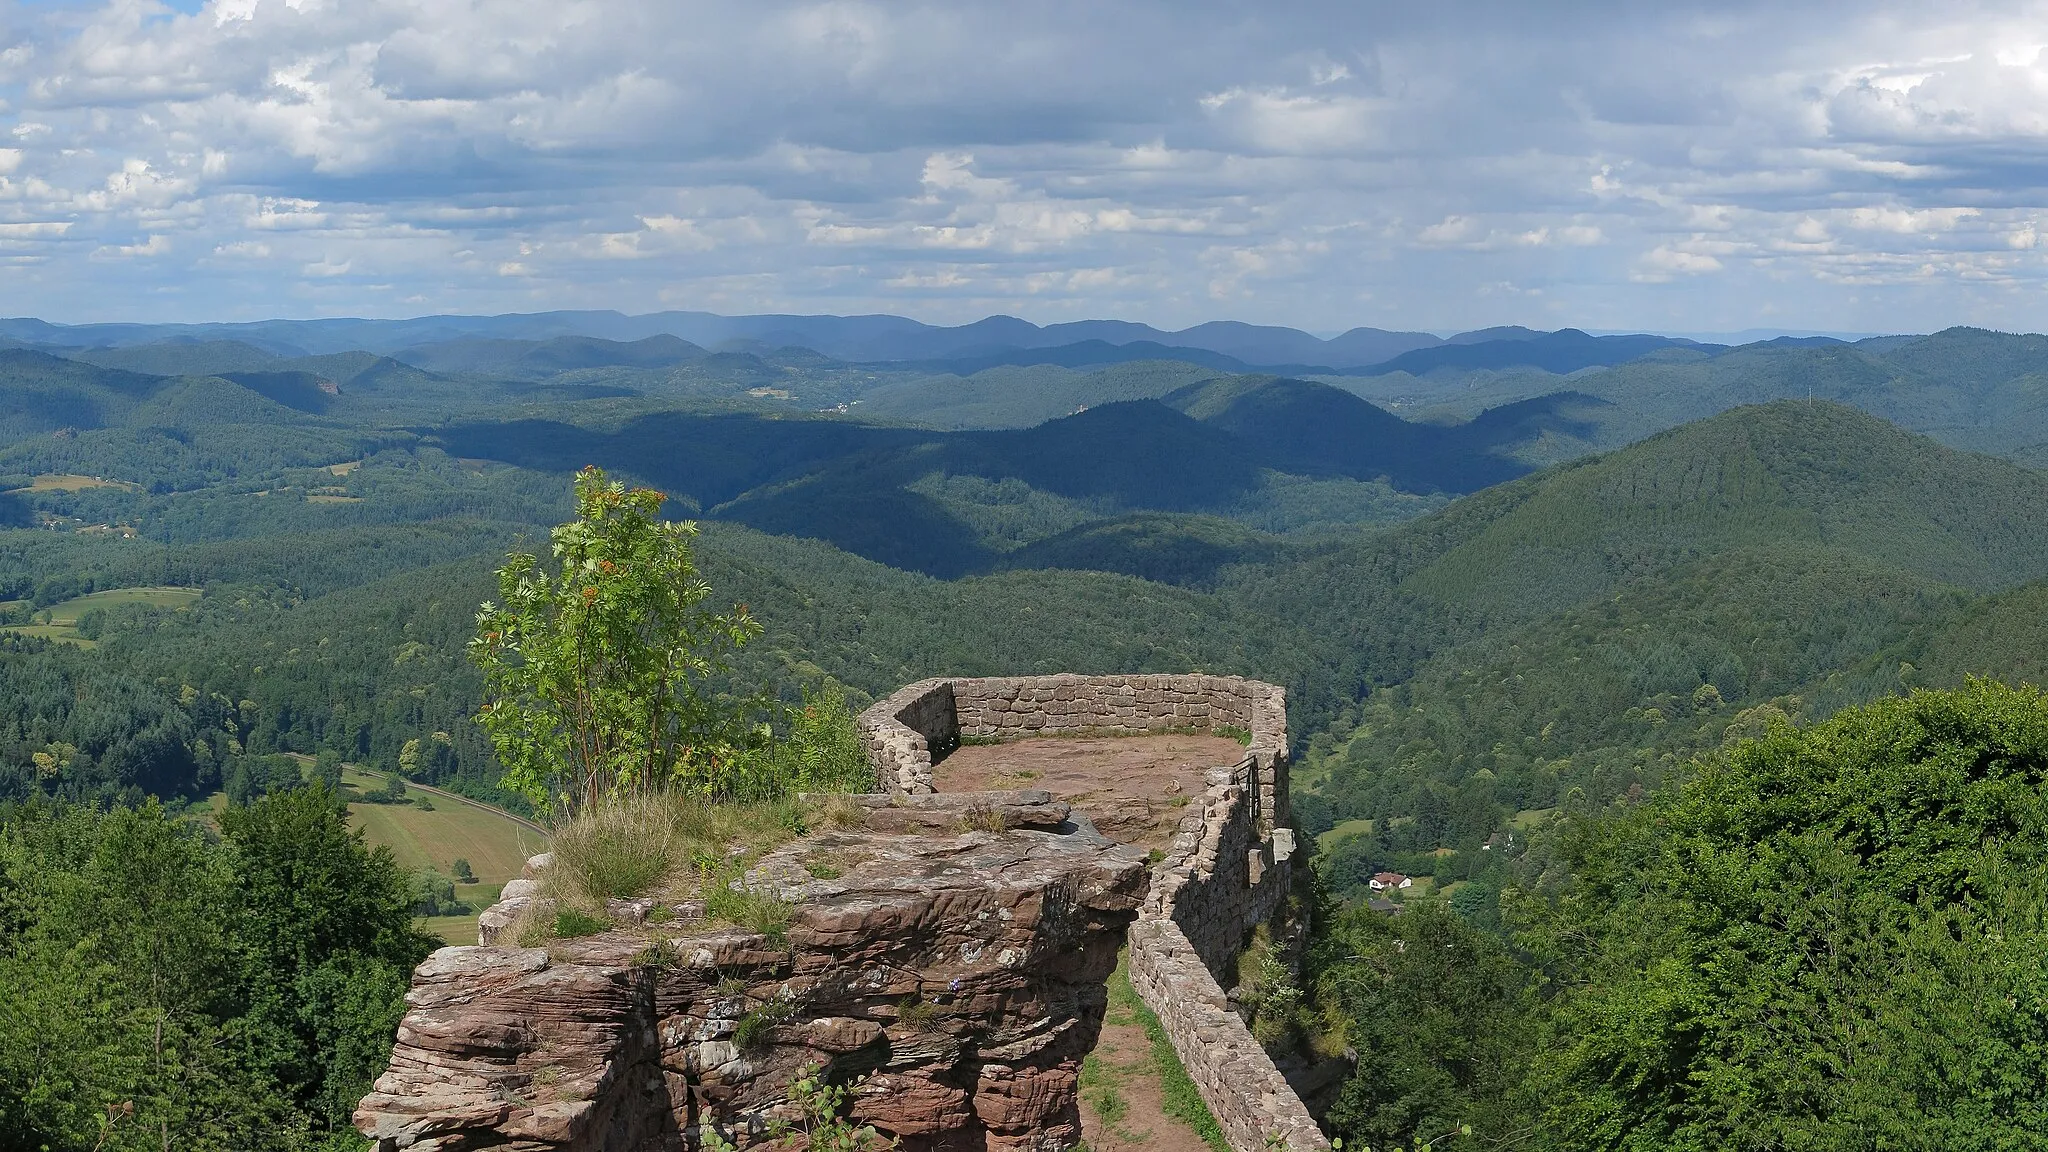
(1258, 449)
(1590, 627)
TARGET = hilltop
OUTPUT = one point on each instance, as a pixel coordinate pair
(1585, 628)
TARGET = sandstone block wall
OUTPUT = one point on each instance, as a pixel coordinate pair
(912, 727)
(1227, 871)
(1220, 878)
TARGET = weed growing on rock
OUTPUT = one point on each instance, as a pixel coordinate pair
(573, 922)
(917, 1013)
(754, 1027)
(758, 912)
(983, 818)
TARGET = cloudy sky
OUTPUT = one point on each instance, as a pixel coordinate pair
(1680, 167)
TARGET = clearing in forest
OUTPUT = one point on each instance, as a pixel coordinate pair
(60, 621)
(496, 844)
(66, 482)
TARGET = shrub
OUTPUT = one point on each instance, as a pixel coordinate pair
(819, 750)
(596, 675)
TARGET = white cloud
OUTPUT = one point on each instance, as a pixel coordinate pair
(1857, 166)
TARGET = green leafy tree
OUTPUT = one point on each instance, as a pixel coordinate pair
(1831, 938)
(597, 676)
(326, 929)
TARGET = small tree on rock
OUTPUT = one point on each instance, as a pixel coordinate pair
(597, 676)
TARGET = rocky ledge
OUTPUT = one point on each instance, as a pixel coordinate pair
(956, 975)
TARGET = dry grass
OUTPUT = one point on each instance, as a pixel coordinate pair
(983, 818)
(659, 842)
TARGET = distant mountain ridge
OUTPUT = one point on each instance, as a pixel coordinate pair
(849, 338)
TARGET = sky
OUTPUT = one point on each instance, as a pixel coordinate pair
(1670, 167)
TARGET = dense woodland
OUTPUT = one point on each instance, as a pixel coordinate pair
(1543, 679)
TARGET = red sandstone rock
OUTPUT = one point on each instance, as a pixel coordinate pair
(965, 972)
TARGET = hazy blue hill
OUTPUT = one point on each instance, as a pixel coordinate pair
(1500, 332)
(1362, 346)
(538, 359)
(1265, 344)
(1020, 397)
(1568, 350)
(181, 357)
(1171, 549)
(1087, 353)
(361, 371)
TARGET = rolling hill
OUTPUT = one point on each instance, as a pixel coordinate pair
(1584, 630)
(886, 493)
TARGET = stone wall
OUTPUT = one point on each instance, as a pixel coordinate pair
(1226, 872)
(916, 725)
(1219, 880)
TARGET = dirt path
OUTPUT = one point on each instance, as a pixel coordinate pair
(1123, 1096)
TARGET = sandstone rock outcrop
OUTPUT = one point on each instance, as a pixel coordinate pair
(949, 958)
(961, 971)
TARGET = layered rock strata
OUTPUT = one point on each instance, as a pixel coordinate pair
(956, 976)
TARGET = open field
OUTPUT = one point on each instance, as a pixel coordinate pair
(64, 482)
(161, 597)
(345, 467)
(1358, 827)
(495, 844)
(62, 633)
(61, 620)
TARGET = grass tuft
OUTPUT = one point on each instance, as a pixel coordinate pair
(754, 1027)
(1179, 1097)
(573, 922)
(983, 818)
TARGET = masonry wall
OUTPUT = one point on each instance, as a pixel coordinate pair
(1226, 872)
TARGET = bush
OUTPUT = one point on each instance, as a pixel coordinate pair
(596, 677)
(572, 922)
(434, 895)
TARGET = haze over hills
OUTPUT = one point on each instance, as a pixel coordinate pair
(1499, 596)
(1611, 615)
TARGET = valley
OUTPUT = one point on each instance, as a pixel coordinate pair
(1512, 592)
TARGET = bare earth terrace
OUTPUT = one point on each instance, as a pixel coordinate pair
(1133, 788)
